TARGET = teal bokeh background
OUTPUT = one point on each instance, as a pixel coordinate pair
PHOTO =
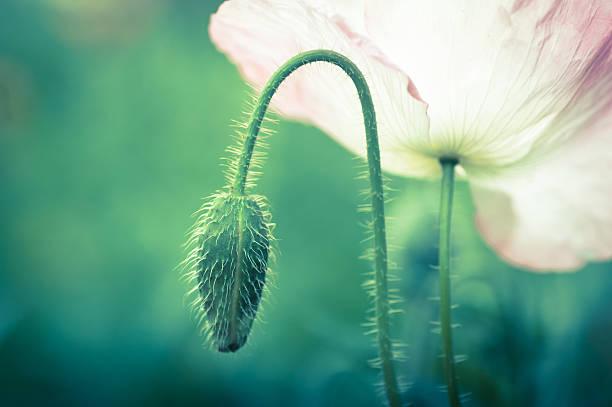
(113, 118)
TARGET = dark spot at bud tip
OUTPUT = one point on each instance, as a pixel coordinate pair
(232, 347)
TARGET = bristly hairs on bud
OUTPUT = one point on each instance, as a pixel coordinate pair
(227, 266)
(231, 239)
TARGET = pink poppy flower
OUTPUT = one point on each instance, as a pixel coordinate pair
(520, 92)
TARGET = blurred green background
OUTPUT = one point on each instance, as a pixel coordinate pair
(113, 118)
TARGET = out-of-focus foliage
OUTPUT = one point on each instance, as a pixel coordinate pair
(113, 118)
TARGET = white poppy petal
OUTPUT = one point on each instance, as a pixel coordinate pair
(260, 35)
(352, 11)
(495, 73)
(557, 214)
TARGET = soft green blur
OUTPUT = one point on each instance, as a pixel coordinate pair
(114, 117)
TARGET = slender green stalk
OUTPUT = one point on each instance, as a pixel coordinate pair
(446, 205)
(376, 188)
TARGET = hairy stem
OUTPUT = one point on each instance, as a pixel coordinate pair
(376, 188)
(446, 205)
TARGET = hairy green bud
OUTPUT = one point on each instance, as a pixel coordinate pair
(229, 265)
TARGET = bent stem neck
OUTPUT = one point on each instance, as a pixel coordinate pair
(376, 188)
(446, 205)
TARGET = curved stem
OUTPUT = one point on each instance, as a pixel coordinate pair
(376, 187)
(446, 205)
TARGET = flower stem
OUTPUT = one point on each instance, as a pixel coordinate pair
(376, 188)
(446, 205)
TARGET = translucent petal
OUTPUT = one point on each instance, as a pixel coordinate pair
(557, 213)
(494, 73)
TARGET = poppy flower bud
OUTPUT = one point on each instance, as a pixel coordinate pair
(233, 246)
